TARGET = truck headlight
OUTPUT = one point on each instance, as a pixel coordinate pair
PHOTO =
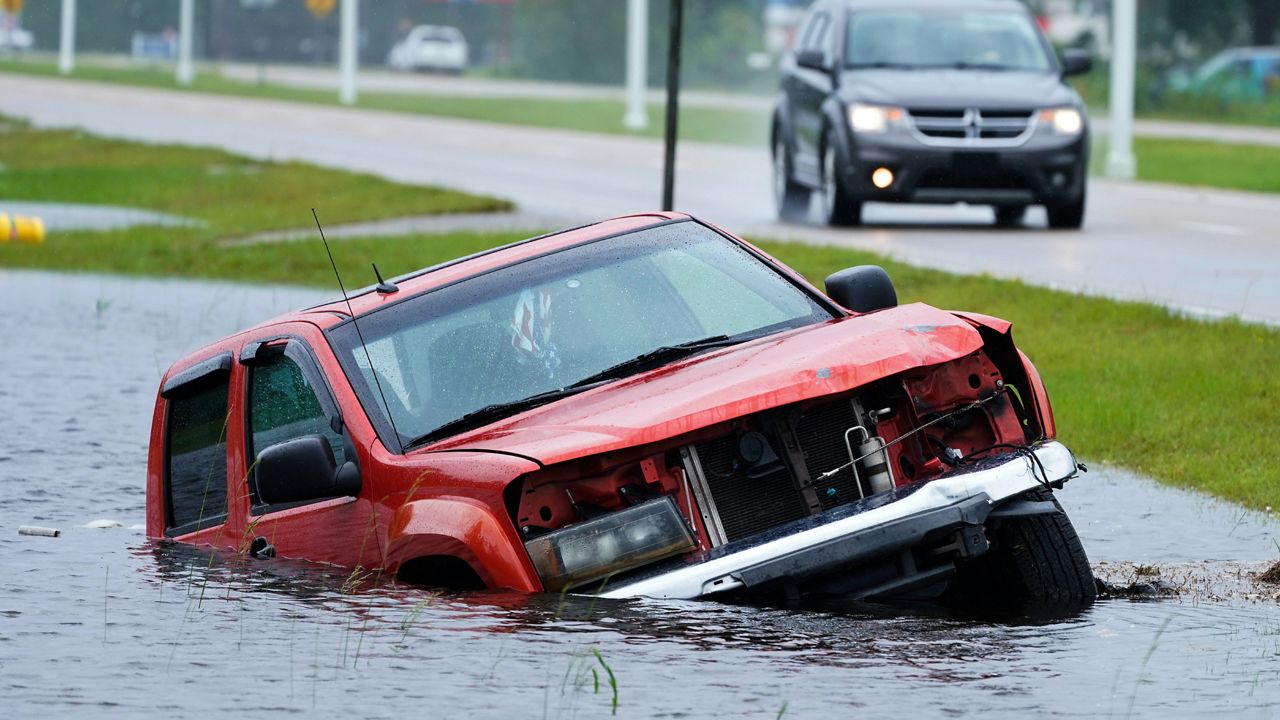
(619, 541)
(1064, 121)
(874, 118)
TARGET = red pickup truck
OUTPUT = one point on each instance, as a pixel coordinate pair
(645, 406)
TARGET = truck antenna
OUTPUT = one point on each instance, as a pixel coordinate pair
(378, 383)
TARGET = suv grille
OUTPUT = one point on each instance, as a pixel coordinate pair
(967, 127)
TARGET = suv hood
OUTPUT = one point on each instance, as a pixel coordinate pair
(997, 89)
(712, 388)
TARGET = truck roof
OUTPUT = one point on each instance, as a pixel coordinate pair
(367, 299)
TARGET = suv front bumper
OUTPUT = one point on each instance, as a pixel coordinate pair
(824, 547)
(1041, 171)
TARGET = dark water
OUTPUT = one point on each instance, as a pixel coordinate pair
(100, 622)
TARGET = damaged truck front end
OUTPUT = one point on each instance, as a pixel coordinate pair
(933, 482)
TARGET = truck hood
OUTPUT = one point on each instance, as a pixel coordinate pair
(957, 88)
(712, 388)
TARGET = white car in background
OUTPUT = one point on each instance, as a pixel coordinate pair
(437, 48)
(15, 38)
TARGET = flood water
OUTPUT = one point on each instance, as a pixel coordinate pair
(101, 622)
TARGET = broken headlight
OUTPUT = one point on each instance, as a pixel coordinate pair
(601, 547)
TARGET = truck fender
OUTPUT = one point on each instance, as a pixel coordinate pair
(466, 529)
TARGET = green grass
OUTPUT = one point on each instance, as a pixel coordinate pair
(1189, 402)
(1187, 162)
(603, 116)
(228, 193)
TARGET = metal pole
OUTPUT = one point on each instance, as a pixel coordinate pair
(347, 51)
(186, 22)
(673, 103)
(67, 41)
(637, 118)
(1121, 162)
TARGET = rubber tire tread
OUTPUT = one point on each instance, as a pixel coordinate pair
(794, 203)
(847, 212)
(1066, 217)
(1035, 563)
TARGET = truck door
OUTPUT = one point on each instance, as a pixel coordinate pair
(287, 397)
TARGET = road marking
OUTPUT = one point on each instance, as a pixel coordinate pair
(1215, 228)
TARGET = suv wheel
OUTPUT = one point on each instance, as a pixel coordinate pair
(1068, 216)
(837, 208)
(790, 198)
(1010, 215)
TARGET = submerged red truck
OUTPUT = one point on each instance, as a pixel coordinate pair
(645, 406)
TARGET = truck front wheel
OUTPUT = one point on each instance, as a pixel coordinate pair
(1036, 564)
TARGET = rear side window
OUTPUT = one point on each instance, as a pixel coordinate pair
(197, 449)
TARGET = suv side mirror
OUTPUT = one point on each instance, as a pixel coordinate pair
(862, 289)
(812, 60)
(303, 469)
(1076, 62)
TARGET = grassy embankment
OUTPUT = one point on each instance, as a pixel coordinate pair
(1186, 162)
(1187, 401)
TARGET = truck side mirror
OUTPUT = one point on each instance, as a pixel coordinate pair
(303, 469)
(1076, 62)
(862, 289)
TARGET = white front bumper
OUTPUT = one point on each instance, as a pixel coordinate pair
(999, 483)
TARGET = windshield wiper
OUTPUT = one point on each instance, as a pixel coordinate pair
(497, 411)
(882, 64)
(962, 65)
(658, 356)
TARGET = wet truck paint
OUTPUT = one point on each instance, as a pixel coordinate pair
(464, 496)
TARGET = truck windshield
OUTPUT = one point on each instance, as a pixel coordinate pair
(933, 38)
(545, 323)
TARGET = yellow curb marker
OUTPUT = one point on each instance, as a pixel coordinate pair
(21, 228)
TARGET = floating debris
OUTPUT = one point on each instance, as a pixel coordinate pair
(1270, 575)
(1213, 581)
(103, 524)
(39, 531)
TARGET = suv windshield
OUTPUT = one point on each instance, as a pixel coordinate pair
(546, 323)
(1001, 40)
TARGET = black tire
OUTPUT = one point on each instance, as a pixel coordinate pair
(790, 198)
(837, 209)
(1068, 216)
(1010, 215)
(1036, 564)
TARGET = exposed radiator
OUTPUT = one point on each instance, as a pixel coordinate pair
(746, 505)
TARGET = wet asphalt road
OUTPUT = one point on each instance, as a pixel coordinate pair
(103, 623)
(1209, 252)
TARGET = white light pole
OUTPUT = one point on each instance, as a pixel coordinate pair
(1121, 163)
(67, 41)
(347, 51)
(637, 117)
(186, 21)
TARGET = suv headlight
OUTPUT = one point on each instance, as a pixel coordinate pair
(1063, 121)
(619, 541)
(874, 118)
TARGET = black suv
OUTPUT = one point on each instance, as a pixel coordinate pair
(929, 101)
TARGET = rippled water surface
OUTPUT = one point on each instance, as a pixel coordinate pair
(105, 623)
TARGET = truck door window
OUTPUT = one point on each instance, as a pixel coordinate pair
(196, 444)
(284, 405)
